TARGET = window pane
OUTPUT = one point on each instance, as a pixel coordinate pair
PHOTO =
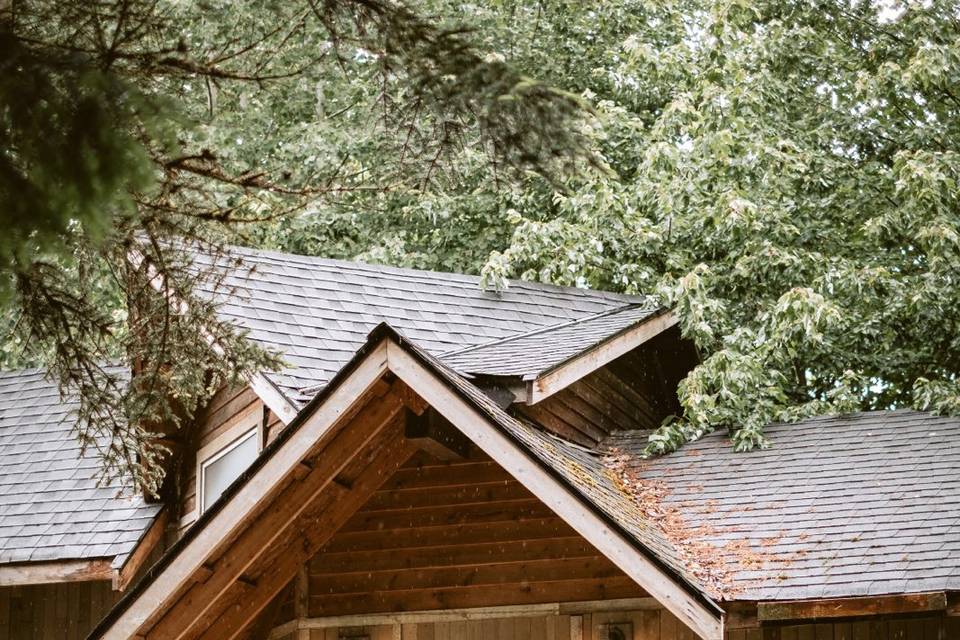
(218, 475)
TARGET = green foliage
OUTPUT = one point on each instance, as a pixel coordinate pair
(783, 174)
(165, 129)
(793, 194)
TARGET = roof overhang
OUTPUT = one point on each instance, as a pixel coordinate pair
(284, 461)
(560, 376)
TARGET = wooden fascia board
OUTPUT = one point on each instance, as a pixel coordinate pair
(261, 385)
(568, 506)
(562, 376)
(141, 553)
(230, 517)
(858, 607)
(14, 575)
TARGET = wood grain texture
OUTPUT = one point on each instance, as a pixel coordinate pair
(456, 534)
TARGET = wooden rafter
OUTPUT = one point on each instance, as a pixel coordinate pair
(249, 567)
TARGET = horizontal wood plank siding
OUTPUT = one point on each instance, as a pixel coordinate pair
(456, 535)
(635, 391)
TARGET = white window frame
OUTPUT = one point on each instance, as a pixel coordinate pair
(226, 442)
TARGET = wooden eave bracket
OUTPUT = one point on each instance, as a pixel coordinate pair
(431, 433)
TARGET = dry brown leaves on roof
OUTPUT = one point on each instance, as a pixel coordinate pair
(700, 558)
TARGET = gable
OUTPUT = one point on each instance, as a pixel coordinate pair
(313, 479)
(634, 391)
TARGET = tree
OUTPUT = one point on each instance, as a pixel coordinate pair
(135, 133)
(782, 173)
(789, 184)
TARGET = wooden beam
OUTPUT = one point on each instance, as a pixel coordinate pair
(431, 433)
(301, 600)
(254, 495)
(142, 552)
(457, 615)
(851, 607)
(561, 377)
(470, 596)
(266, 532)
(320, 526)
(13, 575)
(703, 620)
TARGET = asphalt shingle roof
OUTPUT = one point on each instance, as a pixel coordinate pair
(859, 505)
(317, 312)
(528, 355)
(50, 505)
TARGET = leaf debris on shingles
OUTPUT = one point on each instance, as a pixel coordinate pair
(703, 560)
(714, 566)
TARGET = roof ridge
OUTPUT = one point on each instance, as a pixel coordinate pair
(543, 286)
(539, 330)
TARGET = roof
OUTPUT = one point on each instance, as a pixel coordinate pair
(50, 505)
(858, 505)
(603, 499)
(530, 354)
(317, 312)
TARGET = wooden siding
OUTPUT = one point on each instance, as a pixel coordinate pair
(454, 535)
(635, 391)
(224, 411)
(64, 611)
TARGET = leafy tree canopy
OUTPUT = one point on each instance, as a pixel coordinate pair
(783, 173)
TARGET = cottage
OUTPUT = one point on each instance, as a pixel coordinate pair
(437, 461)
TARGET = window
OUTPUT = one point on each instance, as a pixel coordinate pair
(222, 468)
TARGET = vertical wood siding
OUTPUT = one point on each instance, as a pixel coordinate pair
(66, 611)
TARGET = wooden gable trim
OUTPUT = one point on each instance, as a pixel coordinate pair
(563, 375)
(705, 622)
(14, 575)
(230, 515)
(142, 552)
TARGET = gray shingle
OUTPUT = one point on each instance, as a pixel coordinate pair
(865, 504)
(51, 502)
(530, 354)
(318, 312)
